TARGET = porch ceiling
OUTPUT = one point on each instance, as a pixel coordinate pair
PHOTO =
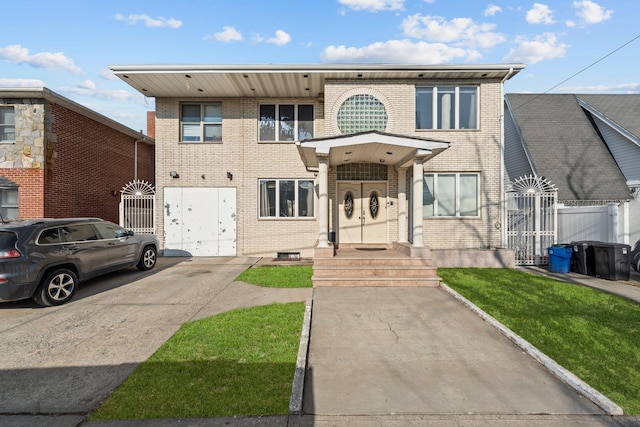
(370, 147)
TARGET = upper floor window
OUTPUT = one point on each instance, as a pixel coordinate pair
(201, 122)
(451, 194)
(9, 203)
(362, 113)
(285, 122)
(7, 124)
(447, 107)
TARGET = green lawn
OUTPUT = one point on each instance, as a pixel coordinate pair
(591, 333)
(294, 276)
(236, 363)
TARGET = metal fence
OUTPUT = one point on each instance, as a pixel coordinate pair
(138, 206)
(531, 214)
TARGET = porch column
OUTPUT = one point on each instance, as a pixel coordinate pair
(418, 176)
(402, 205)
(323, 200)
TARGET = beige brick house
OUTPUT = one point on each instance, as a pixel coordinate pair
(268, 160)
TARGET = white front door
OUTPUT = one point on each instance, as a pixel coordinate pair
(362, 216)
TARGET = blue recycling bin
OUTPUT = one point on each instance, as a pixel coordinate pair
(560, 258)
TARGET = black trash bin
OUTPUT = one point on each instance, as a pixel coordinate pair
(612, 260)
(583, 260)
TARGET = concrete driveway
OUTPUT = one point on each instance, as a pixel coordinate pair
(66, 360)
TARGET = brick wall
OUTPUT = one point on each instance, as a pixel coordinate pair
(92, 163)
(30, 190)
(240, 152)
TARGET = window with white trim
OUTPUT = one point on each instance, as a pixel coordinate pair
(7, 124)
(447, 107)
(451, 195)
(286, 198)
(285, 122)
(9, 203)
(201, 122)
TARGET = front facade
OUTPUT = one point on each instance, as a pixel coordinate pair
(60, 159)
(287, 160)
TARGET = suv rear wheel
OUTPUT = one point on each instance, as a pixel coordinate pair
(57, 287)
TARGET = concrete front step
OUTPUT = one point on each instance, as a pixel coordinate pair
(375, 262)
(375, 271)
(376, 281)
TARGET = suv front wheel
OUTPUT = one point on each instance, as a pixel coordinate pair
(57, 287)
(148, 259)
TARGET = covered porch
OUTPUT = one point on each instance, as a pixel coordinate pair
(370, 189)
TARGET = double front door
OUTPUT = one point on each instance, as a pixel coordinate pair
(362, 212)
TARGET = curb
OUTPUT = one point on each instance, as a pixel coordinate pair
(295, 402)
(564, 375)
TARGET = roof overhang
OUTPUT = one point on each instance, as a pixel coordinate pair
(370, 147)
(55, 98)
(162, 81)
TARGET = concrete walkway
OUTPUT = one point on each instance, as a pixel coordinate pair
(407, 351)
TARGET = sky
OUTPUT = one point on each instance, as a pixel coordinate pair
(568, 46)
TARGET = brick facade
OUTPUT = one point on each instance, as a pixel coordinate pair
(67, 163)
(248, 160)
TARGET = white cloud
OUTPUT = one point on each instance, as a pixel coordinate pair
(462, 32)
(373, 5)
(150, 22)
(47, 60)
(112, 95)
(542, 47)
(4, 82)
(569, 23)
(228, 35)
(492, 10)
(87, 84)
(281, 38)
(107, 74)
(591, 12)
(540, 14)
(399, 51)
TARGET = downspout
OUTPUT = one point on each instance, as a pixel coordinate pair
(503, 213)
(135, 155)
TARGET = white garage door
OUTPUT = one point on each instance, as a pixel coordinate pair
(200, 221)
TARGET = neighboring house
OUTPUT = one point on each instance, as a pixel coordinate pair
(60, 159)
(288, 160)
(588, 147)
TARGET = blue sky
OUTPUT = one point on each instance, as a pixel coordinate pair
(68, 45)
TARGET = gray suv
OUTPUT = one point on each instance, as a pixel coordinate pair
(45, 259)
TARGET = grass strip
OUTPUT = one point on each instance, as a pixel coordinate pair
(239, 363)
(291, 276)
(591, 333)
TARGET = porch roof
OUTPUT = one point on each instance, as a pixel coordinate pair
(371, 147)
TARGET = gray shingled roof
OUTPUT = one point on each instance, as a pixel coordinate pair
(565, 147)
(624, 110)
(5, 182)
